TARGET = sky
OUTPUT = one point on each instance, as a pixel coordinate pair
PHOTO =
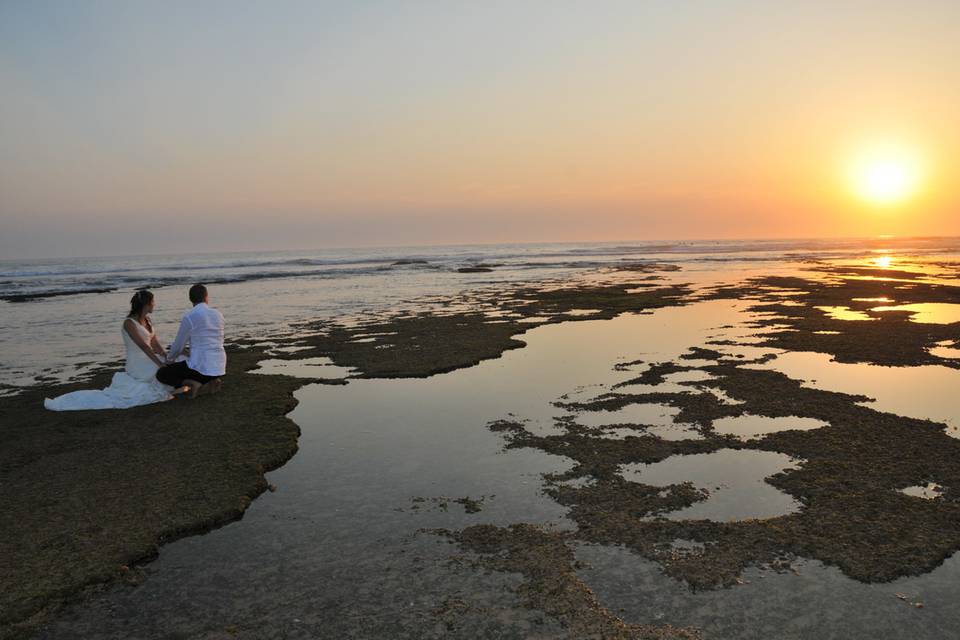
(134, 127)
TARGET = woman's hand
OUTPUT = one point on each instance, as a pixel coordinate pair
(129, 326)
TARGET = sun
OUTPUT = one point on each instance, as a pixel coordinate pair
(885, 175)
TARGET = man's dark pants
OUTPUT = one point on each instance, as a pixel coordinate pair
(174, 375)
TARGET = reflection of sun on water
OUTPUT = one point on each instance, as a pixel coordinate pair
(883, 262)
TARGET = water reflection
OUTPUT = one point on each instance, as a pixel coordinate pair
(645, 419)
(929, 491)
(928, 312)
(926, 392)
(845, 313)
(945, 350)
(647, 414)
(733, 478)
(336, 548)
(750, 426)
(334, 552)
(305, 368)
(809, 601)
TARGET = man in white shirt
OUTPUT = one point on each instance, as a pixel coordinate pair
(202, 329)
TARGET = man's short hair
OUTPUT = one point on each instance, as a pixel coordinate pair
(198, 293)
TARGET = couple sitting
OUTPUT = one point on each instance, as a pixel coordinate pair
(152, 374)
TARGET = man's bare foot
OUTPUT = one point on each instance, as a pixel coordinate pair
(211, 387)
(193, 388)
(181, 390)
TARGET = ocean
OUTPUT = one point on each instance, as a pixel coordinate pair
(60, 318)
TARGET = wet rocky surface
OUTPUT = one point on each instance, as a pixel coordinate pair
(87, 495)
(586, 524)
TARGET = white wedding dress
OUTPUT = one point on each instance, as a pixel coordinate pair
(132, 387)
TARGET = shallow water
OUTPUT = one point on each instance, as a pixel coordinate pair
(929, 491)
(928, 312)
(733, 479)
(750, 426)
(813, 601)
(262, 293)
(845, 313)
(926, 392)
(337, 542)
(943, 350)
(304, 368)
(335, 551)
(643, 413)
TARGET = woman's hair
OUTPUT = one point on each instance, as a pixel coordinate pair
(140, 299)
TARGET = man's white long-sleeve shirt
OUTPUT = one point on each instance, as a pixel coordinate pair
(202, 328)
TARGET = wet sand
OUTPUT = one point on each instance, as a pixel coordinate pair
(402, 488)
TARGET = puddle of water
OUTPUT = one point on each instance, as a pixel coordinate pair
(827, 333)
(945, 350)
(680, 544)
(722, 396)
(744, 351)
(664, 387)
(733, 478)
(306, 368)
(646, 413)
(290, 349)
(880, 299)
(928, 312)
(581, 312)
(694, 375)
(673, 432)
(750, 426)
(784, 292)
(845, 313)
(929, 491)
(697, 362)
(926, 392)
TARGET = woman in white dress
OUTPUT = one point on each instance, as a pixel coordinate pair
(136, 384)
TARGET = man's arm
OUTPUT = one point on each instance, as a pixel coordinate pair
(181, 340)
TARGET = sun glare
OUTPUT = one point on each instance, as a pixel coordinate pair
(885, 176)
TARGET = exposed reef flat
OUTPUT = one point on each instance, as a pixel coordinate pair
(853, 515)
(482, 326)
(551, 584)
(884, 337)
(165, 471)
(88, 495)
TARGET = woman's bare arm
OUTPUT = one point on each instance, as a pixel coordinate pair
(155, 345)
(129, 325)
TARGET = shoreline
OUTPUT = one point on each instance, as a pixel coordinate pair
(88, 495)
(174, 459)
(112, 460)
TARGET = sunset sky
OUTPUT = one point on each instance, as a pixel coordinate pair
(134, 127)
